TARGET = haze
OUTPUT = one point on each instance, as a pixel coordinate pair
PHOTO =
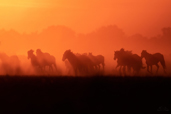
(97, 26)
(142, 16)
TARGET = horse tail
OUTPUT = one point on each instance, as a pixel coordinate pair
(162, 61)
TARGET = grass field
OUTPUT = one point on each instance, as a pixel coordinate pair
(39, 94)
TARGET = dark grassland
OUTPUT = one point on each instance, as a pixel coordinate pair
(84, 94)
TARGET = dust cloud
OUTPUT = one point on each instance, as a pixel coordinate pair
(55, 40)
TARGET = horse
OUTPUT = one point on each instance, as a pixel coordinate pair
(136, 64)
(122, 60)
(98, 60)
(86, 61)
(78, 66)
(10, 64)
(129, 60)
(69, 68)
(153, 59)
(34, 60)
(45, 59)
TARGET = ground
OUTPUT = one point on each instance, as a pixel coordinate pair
(84, 94)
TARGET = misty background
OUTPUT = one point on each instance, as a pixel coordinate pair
(104, 40)
(97, 26)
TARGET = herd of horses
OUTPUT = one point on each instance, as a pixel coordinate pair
(42, 60)
(84, 64)
(126, 59)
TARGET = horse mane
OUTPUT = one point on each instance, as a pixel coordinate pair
(70, 53)
(122, 50)
(30, 51)
(129, 52)
(144, 51)
(39, 52)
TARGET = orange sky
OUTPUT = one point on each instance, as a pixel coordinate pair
(133, 16)
(146, 17)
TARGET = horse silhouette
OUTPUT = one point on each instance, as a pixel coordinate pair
(89, 69)
(136, 63)
(122, 60)
(69, 68)
(45, 59)
(129, 60)
(153, 59)
(10, 64)
(78, 66)
(97, 60)
(34, 60)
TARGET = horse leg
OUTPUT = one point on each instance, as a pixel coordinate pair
(41, 69)
(50, 68)
(95, 67)
(124, 71)
(103, 65)
(75, 71)
(134, 72)
(148, 68)
(157, 68)
(129, 69)
(137, 72)
(117, 66)
(151, 68)
(92, 70)
(99, 66)
(164, 70)
(120, 70)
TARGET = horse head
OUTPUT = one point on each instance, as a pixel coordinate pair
(122, 50)
(143, 53)
(30, 53)
(38, 52)
(66, 54)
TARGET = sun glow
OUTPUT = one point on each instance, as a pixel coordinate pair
(20, 3)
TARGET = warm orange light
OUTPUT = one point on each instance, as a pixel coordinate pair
(32, 24)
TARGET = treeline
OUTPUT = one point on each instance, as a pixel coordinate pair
(100, 40)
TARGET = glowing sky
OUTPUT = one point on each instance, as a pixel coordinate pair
(143, 16)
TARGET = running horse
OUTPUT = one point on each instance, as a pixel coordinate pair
(78, 66)
(34, 60)
(46, 59)
(97, 60)
(129, 60)
(122, 60)
(10, 64)
(153, 59)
